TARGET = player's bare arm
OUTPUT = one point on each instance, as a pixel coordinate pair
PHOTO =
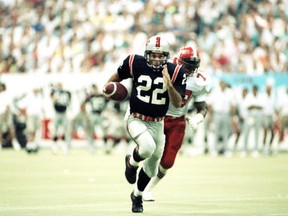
(174, 96)
(114, 78)
(201, 108)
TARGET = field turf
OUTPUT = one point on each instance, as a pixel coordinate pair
(81, 184)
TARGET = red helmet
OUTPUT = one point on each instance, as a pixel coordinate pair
(189, 58)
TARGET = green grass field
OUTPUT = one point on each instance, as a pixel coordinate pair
(85, 184)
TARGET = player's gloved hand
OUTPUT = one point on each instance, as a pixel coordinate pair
(195, 120)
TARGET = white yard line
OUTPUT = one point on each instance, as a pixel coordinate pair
(60, 207)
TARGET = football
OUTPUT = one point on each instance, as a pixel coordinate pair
(115, 91)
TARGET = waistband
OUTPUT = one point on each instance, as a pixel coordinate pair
(173, 117)
(147, 118)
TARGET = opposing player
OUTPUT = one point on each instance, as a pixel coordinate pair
(197, 87)
(155, 83)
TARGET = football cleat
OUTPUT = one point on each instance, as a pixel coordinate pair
(137, 206)
(130, 171)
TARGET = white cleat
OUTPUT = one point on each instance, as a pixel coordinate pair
(255, 154)
(148, 196)
(243, 154)
(228, 154)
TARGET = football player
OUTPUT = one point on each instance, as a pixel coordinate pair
(222, 107)
(96, 103)
(197, 87)
(7, 133)
(155, 83)
(61, 100)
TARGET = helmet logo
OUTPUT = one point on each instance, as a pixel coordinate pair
(157, 42)
(197, 53)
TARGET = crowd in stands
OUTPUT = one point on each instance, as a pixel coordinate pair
(49, 36)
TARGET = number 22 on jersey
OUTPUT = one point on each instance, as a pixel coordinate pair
(145, 85)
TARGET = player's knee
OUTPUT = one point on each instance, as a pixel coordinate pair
(167, 163)
(145, 152)
(147, 149)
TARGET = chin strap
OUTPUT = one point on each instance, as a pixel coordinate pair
(160, 68)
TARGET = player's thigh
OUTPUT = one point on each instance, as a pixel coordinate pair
(135, 127)
(175, 133)
(148, 136)
(139, 132)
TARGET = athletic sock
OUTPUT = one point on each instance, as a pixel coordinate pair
(133, 162)
(156, 179)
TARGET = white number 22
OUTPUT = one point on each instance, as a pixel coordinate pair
(145, 85)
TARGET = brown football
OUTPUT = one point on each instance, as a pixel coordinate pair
(115, 91)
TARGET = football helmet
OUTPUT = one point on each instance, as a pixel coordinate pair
(189, 58)
(157, 52)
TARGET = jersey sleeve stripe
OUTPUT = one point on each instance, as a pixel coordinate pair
(175, 73)
(131, 59)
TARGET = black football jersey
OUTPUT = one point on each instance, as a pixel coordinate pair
(97, 103)
(149, 95)
(62, 99)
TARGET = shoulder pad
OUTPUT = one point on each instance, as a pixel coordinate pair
(203, 79)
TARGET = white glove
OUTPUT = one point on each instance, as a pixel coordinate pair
(195, 120)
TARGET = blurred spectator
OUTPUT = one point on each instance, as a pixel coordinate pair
(269, 111)
(283, 115)
(81, 36)
(253, 102)
(221, 104)
(240, 115)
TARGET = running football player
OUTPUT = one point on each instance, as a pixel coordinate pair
(155, 83)
(197, 87)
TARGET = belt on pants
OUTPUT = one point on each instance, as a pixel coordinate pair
(168, 118)
(147, 118)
